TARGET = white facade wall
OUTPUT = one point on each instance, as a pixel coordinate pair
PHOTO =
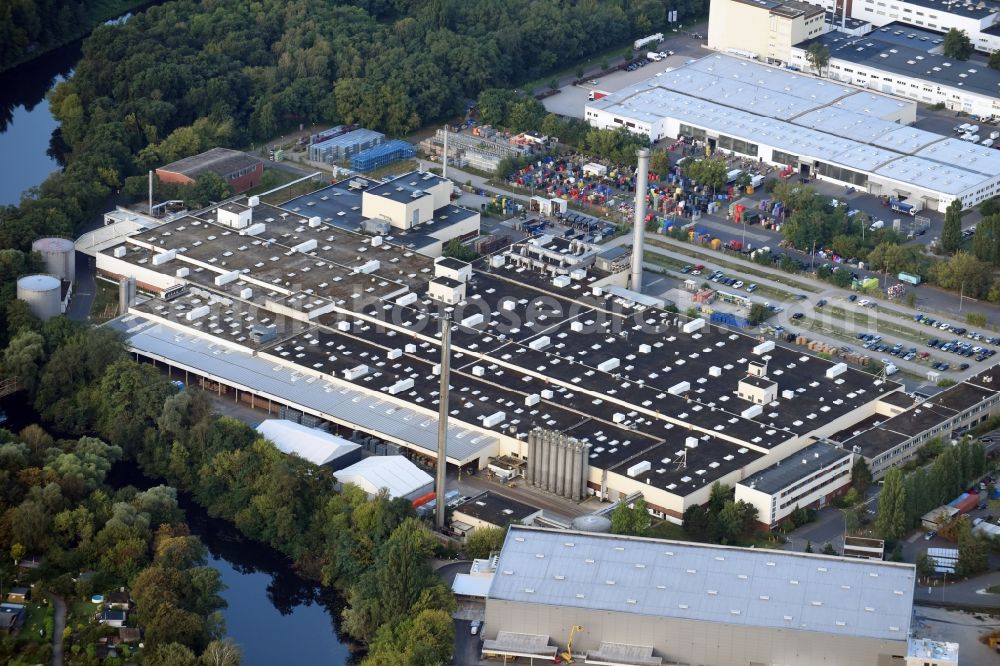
(661, 128)
(400, 214)
(917, 89)
(802, 493)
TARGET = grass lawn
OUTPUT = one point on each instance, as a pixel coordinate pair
(35, 623)
(993, 589)
(80, 612)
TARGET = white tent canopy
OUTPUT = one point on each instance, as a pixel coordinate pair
(394, 473)
(316, 446)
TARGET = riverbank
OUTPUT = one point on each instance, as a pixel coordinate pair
(98, 12)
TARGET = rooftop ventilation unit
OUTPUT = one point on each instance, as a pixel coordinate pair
(356, 372)
(539, 343)
(691, 442)
(254, 229)
(400, 386)
(715, 371)
(164, 257)
(680, 388)
(764, 347)
(836, 370)
(694, 325)
(638, 468)
(197, 313)
(183, 271)
(226, 278)
(473, 320)
(368, 267)
(315, 221)
(494, 419)
(752, 411)
(609, 365)
(307, 246)
(407, 299)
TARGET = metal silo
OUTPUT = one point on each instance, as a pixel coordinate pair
(59, 255)
(42, 293)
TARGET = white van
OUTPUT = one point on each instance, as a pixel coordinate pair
(476, 625)
(988, 143)
(975, 138)
(973, 129)
(995, 135)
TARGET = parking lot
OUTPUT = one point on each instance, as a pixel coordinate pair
(571, 99)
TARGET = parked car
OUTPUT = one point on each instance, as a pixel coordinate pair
(930, 535)
(798, 315)
(852, 298)
(821, 302)
(738, 284)
(474, 628)
(752, 287)
(864, 302)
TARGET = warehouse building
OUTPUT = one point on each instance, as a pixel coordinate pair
(344, 144)
(316, 446)
(240, 170)
(824, 129)
(811, 478)
(394, 475)
(914, 73)
(599, 392)
(895, 435)
(645, 601)
(979, 19)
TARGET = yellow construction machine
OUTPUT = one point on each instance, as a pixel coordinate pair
(567, 656)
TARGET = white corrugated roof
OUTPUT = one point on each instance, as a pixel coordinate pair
(290, 384)
(314, 445)
(729, 585)
(394, 473)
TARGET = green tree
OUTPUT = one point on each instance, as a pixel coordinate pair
(925, 565)
(17, 552)
(951, 234)
(861, 477)
(427, 638)
(994, 60)
(631, 520)
(828, 549)
(23, 359)
(223, 652)
(890, 522)
(973, 553)
(484, 540)
(818, 56)
(709, 172)
(494, 104)
(964, 273)
(458, 250)
(986, 241)
(957, 45)
(759, 313)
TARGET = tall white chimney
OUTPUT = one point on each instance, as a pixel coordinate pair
(444, 155)
(639, 224)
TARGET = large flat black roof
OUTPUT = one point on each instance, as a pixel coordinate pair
(874, 51)
(496, 509)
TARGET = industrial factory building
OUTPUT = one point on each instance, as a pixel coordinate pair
(821, 128)
(240, 170)
(554, 364)
(627, 600)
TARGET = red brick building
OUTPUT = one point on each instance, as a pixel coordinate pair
(240, 170)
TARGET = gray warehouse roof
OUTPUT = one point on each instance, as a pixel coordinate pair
(687, 581)
(913, 61)
(796, 467)
(222, 161)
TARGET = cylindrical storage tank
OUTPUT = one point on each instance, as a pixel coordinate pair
(532, 456)
(59, 256)
(553, 471)
(584, 468)
(43, 295)
(573, 489)
(592, 523)
(561, 467)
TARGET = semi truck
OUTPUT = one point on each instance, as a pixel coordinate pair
(652, 39)
(655, 56)
(909, 278)
(597, 94)
(910, 208)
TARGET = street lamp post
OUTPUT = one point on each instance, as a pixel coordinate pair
(961, 295)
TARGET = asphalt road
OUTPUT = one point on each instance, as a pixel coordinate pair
(58, 626)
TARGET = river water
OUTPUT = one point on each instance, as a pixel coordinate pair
(275, 615)
(26, 125)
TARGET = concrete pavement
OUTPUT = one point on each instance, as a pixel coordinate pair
(58, 626)
(963, 593)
